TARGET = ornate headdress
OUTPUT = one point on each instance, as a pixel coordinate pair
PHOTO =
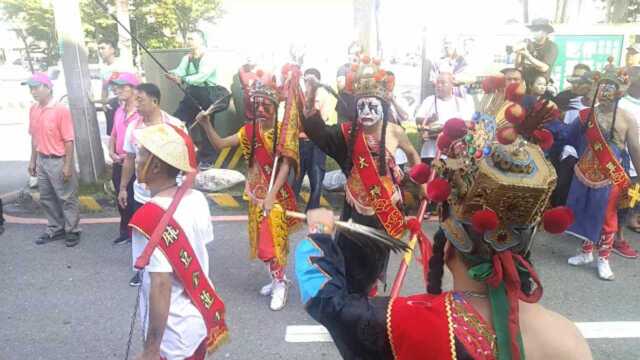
(258, 83)
(495, 186)
(366, 78)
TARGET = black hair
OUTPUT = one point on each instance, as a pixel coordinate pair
(436, 263)
(581, 66)
(382, 151)
(150, 89)
(200, 34)
(312, 71)
(109, 42)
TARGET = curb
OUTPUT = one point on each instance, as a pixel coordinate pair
(10, 196)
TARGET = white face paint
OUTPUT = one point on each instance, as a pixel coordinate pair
(369, 111)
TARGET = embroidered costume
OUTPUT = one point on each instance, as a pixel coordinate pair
(372, 192)
(492, 204)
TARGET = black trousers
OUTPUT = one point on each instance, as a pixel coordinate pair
(125, 213)
(188, 110)
(312, 161)
(564, 170)
(365, 262)
(1, 214)
(110, 112)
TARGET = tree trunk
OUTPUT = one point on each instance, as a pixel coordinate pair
(124, 39)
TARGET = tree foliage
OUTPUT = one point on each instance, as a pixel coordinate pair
(157, 23)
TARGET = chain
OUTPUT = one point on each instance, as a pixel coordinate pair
(133, 321)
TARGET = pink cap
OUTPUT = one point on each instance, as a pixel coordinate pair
(39, 78)
(124, 78)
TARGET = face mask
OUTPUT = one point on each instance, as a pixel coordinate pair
(369, 111)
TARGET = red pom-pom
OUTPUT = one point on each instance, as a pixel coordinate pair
(259, 72)
(420, 173)
(366, 59)
(376, 62)
(557, 220)
(354, 67)
(438, 190)
(514, 92)
(414, 225)
(443, 143)
(514, 114)
(379, 75)
(391, 82)
(484, 220)
(544, 138)
(349, 82)
(455, 128)
(506, 135)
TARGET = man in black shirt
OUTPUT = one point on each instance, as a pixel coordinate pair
(539, 55)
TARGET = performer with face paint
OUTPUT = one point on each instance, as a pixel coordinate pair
(601, 179)
(364, 148)
(268, 225)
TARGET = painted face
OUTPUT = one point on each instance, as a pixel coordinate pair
(369, 111)
(265, 109)
(607, 93)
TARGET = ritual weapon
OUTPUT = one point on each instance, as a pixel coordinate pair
(362, 234)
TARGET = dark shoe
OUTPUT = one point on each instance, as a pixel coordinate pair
(72, 239)
(122, 239)
(205, 165)
(48, 237)
(135, 280)
(1, 229)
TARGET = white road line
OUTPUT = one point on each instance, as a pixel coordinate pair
(590, 330)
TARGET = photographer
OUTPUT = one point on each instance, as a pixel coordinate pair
(537, 57)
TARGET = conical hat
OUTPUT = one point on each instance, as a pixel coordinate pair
(164, 142)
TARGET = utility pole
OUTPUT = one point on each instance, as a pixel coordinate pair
(76, 72)
(364, 24)
(124, 39)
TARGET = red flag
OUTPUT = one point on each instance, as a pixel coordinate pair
(265, 240)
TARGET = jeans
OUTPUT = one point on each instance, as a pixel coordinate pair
(125, 213)
(312, 161)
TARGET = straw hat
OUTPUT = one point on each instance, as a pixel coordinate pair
(169, 144)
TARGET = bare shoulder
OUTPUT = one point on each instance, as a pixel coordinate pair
(395, 128)
(549, 335)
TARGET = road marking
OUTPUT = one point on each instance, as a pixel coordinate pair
(111, 220)
(236, 157)
(590, 330)
(220, 160)
(224, 200)
(609, 329)
(323, 202)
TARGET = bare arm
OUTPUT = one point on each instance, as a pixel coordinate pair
(632, 139)
(128, 168)
(68, 160)
(34, 156)
(405, 144)
(112, 149)
(218, 142)
(159, 301)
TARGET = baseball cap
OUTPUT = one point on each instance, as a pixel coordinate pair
(38, 78)
(634, 47)
(587, 77)
(125, 78)
(541, 24)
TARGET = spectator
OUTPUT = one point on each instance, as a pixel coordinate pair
(451, 61)
(52, 139)
(312, 160)
(539, 88)
(126, 113)
(540, 54)
(111, 64)
(630, 103)
(148, 101)
(347, 101)
(198, 72)
(512, 76)
(633, 55)
(565, 97)
(436, 109)
(609, 67)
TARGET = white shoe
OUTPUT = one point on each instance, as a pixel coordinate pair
(266, 290)
(581, 259)
(604, 270)
(279, 295)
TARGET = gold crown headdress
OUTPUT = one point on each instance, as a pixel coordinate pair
(367, 78)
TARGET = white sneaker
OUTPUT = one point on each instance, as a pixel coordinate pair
(581, 259)
(279, 295)
(266, 290)
(604, 270)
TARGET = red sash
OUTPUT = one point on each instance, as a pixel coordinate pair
(419, 327)
(176, 247)
(609, 165)
(262, 155)
(389, 215)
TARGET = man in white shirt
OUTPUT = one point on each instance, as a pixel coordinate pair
(148, 99)
(182, 315)
(111, 64)
(435, 110)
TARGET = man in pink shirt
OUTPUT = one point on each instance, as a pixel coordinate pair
(124, 85)
(52, 137)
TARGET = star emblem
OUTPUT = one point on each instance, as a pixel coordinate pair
(362, 163)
